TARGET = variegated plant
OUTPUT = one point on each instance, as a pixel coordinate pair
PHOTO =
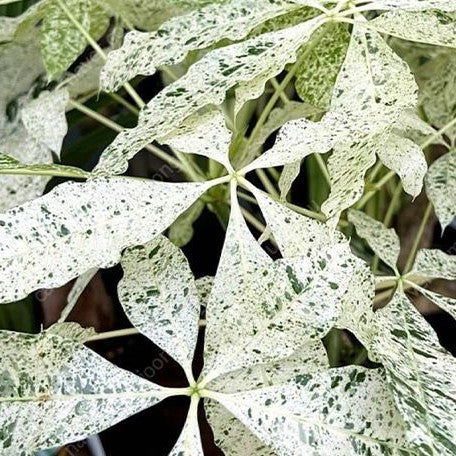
(371, 103)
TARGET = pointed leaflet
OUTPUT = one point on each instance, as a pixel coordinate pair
(44, 118)
(288, 175)
(294, 233)
(142, 53)
(444, 302)
(61, 42)
(76, 227)
(206, 82)
(430, 27)
(337, 411)
(189, 442)
(441, 187)
(204, 134)
(405, 158)
(261, 310)
(55, 391)
(421, 373)
(316, 76)
(383, 241)
(434, 264)
(159, 296)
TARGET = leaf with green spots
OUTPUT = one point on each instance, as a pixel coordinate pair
(159, 296)
(337, 411)
(383, 241)
(80, 226)
(61, 42)
(143, 53)
(316, 76)
(441, 187)
(206, 83)
(55, 390)
(430, 27)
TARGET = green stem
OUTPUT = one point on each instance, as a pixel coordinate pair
(118, 128)
(418, 237)
(267, 183)
(131, 91)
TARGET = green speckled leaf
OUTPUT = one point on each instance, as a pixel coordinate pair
(424, 27)
(316, 76)
(79, 226)
(441, 187)
(206, 82)
(55, 390)
(142, 53)
(338, 411)
(159, 296)
(383, 241)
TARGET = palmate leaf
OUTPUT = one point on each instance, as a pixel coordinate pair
(424, 27)
(435, 263)
(80, 226)
(160, 298)
(55, 390)
(413, 5)
(299, 300)
(441, 187)
(206, 82)
(142, 53)
(331, 411)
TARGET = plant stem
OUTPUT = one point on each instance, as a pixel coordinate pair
(269, 187)
(323, 168)
(367, 196)
(130, 90)
(253, 220)
(431, 139)
(419, 235)
(118, 128)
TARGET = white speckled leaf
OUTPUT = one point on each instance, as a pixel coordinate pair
(413, 5)
(206, 82)
(421, 373)
(441, 187)
(44, 118)
(294, 233)
(424, 27)
(435, 264)
(374, 85)
(204, 288)
(316, 76)
(61, 42)
(338, 411)
(260, 310)
(142, 53)
(444, 302)
(189, 442)
(405, 158)
(15, 190)
(437, 87)
(76, 227)
(56, 391)
(204, 134)
(383, 241)
(159, 296)
(357, 313)
(288, 175)
(230, 434)
(347, 167)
